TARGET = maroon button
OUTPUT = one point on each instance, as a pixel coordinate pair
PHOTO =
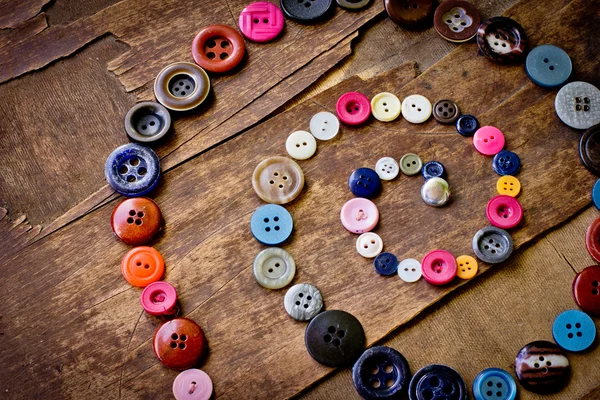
(136, 221)
(592, 239)
(409, 13)
(179, 344)
(456, 20)
(501, 39)
(586, 290)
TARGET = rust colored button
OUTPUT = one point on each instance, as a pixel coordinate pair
(501, 39)
(586, 290)
(136, 221)
(409, 13)
(181, 86)
(218, 48)
(456, 20)
(278, 180)
(142, 265)
(592, 239)
(179, 344)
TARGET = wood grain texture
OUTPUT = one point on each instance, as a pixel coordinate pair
(14, 13)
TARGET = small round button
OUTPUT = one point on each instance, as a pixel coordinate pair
(353, 5)
(548, 66)
(574, 330)
(439, 267)
(410, 270)
(181, 86)
(142, 265)
(467, 125)
(409, 13)
(271, 224)
(159, 298)
(433, 169)
(353, 108)
(456, 20)
(437, 381)
(586, 290)
(488, 140)
(179, 344)
(364, 182)
(386, 264)
(596, 194)
(359, 215)
(589, 149)
(218, 48)
(385, 107)
(369, 245)
(136, 221)
(147, 122)
(467, 267)
(261, 21)
(301, 145)
(132, 170)
(381, 373)
(501, 39)
(411, 164)
(273, 268)
(307, 11)
(577, 104)
(192, 384)
(416, 109)
(508, 185)
(592, 239)
(278, 180)
(387, 168)
(492, 245)
(494, 383)
(435, 192)
(506, 163)
(445, 111)
(504, 211)
(542, 367)
(303, 301)
(324, 125)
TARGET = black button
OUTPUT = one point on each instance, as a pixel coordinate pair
(467, 125)
(307, 11)
(437, 382)
(589, 149)
(433, 169)
(381, 373)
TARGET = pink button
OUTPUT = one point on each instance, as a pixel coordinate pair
(353, 108)
(359, 215)
(261, 21)
(159, 298)
(192, 384)
(439, 267)
(488, 140)
(504, 212)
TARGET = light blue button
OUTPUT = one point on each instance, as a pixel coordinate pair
(548, 66)
(271, 224)
(494, 384)
(596, 194)
(574, 330)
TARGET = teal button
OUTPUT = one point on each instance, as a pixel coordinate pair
(548, 66)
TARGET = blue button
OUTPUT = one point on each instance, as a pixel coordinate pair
(596, 194)
(467, 125)
(364, 182)
(433, 169)
(381, 373)
(437, 381)
(132, 170)
(494, 384)
(506, 163)
(548, 66)
(574, 330)
(271, 224)
(386, 264)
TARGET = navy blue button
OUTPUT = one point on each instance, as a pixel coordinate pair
(364, 182)
(467, 125)
(506, 163)
(596, 194)
(271, 224)
(436, 382)
(548, 66)
(381, 373)
(494, 384)
(132, 170)
(433, 169)
(386, 264)
(574, 330)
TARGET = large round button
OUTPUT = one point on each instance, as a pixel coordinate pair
(409, 13)
(142, 265)
(506, 163)
(278, 180)
(353, 5)
(410, 270)
(504, 211)
(307, 11)
(589, 149)
(542, 367)
(147, 122)
(353, 108)
(385, 107)
(364, 182)
(467, 125)
(411, 164)
(492, 245)
(261, 21)
(416, 109)
(334, 338)
(456, 20)
(179, 344)
(381, 373)
(574, 330)
(437, 382)
(488, 140)
(386, 264)
(508, 185)
(273, 268)
(548, 66)
(303, 301)
(181, 86)
(433, 169)
(324, 125)
(192, 384)
(501, 39)
(467, 267)
(577, 104)
(218, 48)
(494, 383)
(435, 192)
(445, 111)
(136, 221)
(159, 298)
(359, 215)
(301, 145)
(132, 170)
(387, 168)
(369, 244)
(586, 290)
(439, 267)
(592, 239)
(271, 224)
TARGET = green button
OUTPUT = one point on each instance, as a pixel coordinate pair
(411, 164)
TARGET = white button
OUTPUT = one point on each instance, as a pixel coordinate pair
(416, 109)
(385, 107)
(301, 145)
(409, 270)
(274, 268)
(303, 301)
(369, 245)
(387, 168)
(324, 125)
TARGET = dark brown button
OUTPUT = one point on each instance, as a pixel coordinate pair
(445, 111)
(179, 344)
(147, 122)
(542, 367)
(136, 221)
(586, 290)
(501, 39)
(409, 13)
(218, 48)
(181, 86)
(589, 149)
(456, 20)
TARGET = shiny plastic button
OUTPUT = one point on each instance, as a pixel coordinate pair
(385, 107)
(574, 330)
(307, 11)
(596, 194)
(592, 239)
(192, 384)
(369, 245)
(353, 108)
(589, 149)
(501, 39)
(271, 224)
(353, 5)
(359, 215)
(261, 21)
(218, 48)
(181, 86)
(179, 344)
(147, 122)
(324, 125)
(409, 13)
(142, 265)
(433, 169)
(506, 163)
(410, 270)
(387, 168)
(548, 66)
(445, 111)
(494, 383)
(411, 164)
(303, 301)
(386, 264)
(416, 109)
(492, 245)
(278, 180)
(136, 221)
(467, 267)
(467, 125)
(301, 145)
(488, 140)
(508, 185)
(273, 268)
(132, 170)
(586, 290)
(159, 298)
(439, 267)
(504, 212)
(381, 373)
(456, 20)
(435, 192)
(542, 367)
(364, 182)
(435, 382)
(577, 104)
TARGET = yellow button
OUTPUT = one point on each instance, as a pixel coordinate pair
(467, 267)
(385, 107)
(508, 185)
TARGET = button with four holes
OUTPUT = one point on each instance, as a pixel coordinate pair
(307, 11)
(488, 140)
(506, 163)
(586, 290)
(369, 244)
(303, 301)
(542, 367)
(387, 168)
(416, 109)
(439, 267)
(142, 265)
(136, 221)
(353, 108)
(494, 383)
(410, 270)
(181, 86)
(467, 125)
(301, 145)
(574, 330)
(273, 268)
(411, 164)
(501, 39)
(132, 170)
(504, 211)
(445, 111)
(278, 180)
(409, 13)
(467, 267)
(359, 215)
(548, 66)
(179, 344)
(456, 20)
(364, 182)
(381, 373)
(159, 298)
(147, 122)
(508, 185)
(192, 384)
(324, 125)
(437, 381)
(386, 264)
(261, 21)
(218, 48)
(271, 224)
(433, 169)
(592, 239)
(385, 107)
(492, 245)
(577, 104)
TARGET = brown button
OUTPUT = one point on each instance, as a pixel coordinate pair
(501, 39)
(218, 48)
(136, 221)
(179, 344)
(456, 20)
(181, 86)
(278, 180)
(409, 13)
(445, 111)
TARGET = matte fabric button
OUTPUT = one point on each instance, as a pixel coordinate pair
(437, 382)
(307, 11)
(445, 111)
(147, 122)
(364, 182)
(488, 140)
(410, 270)
(596, 194)
(271, 224)
(159, 298)
(386, 264)
(501, 39)
(353, 5)
(548, 66)
(492, 245)
(508, 185)
(577, 104)
(324, 125)
(409, 13)
(192, 384)
(494, 384)
(353, 108)
(359, 215)
(542, 367)
(303, 301)
(467, 125)
(274, 268)
(467, 267)
(385, 107)
(439, 267)
(433, 169)
(181, 86)
(278, 180)
(592, 239)
(435, 192)
(369, 245)
(142, 265)
(261, 21)
(334, 338)
(504, 212)
(218, 48)
(506, 163)
(136, 221)
(387, 168)
(179, 344)
(456, 20)
(416, 109)
(132, 170)
(586, 290)
(381, 373)
(589, 149)
(301, 145)
(411, 164)
(574, 330)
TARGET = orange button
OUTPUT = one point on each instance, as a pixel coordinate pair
(142, 265)
(467, 267)
(136, 221)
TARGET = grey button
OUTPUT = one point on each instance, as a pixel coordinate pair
(147, 122)
(577, 104)
(411, 164)
(435, 192)
(303, 301)
(274, 268)
(492, 245)
(353, 4)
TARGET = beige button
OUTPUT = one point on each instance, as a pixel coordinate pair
(385, 107)
(301, 145)
(278, 180)
(416, 109)
(274, 268)
(369, 245)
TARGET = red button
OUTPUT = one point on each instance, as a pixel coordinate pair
(159, 298)
(218, 48)
(353, 108)
(136, 221)
(586, 290)
(179, 344)
(439, 267)
(592, 239)
(504, 212)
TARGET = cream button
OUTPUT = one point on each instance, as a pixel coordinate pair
(387, 168)
(385, 107)
(301, 145)
(369, 245)
(409, 270)
(416, 109)
(274, 268)
(324, 125)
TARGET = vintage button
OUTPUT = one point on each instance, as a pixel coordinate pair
(596, 194)
(381, 373)
(504, 211)
(467, 125)
(577, 104)
(492, 245)
(307, 11)
(261, 21)
(574, 330)
(467, 267)
(439, 267)
(488, 140)
(386, 264)
(271, 224)
(501, 39)
(147, 122)
(181, 86)
(506, 163)
(592, 239)
(411, 164)
(369, 245)
(278, 180)
(353, 4)
(132, 170)
(192, 384)
(508, 185)
(303, 301)
(416, 109)
(548, 66)
(324, 125)
(542, 367)
(433, 169)
(387, 168)
(589, 149)
(586, 290)
(435, 192)
(410, 270)
(179, 344)
(409, 13)
(456, 20)
(142, 265)
(273, 268)
(364, 182)
(359, 215)
(385, 107)
(445, 111)
(136, 221)
(353, 108)
(218, 48)
(334, 338)
(301, 145)
(494, 383)
(159, 298)
(436, 381)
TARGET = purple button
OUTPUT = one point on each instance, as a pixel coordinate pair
(261, 21)
(192, 384)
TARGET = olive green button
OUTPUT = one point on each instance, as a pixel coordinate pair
(411, 164)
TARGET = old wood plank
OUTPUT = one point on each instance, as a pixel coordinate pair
(15, 13)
